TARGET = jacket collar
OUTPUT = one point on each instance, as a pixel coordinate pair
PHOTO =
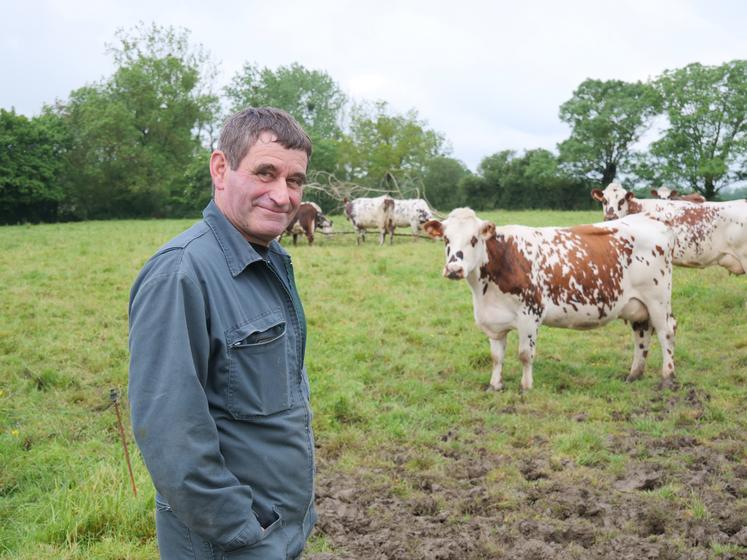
(238, 251)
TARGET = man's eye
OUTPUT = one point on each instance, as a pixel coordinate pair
(295, 183)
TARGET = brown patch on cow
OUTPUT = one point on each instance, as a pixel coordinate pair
(306, 220)
(595, 259)
(510, 270)
(473, 241)
(641, 327)
(634, 206)
(659, 250)
(697, 224)
(692, 197)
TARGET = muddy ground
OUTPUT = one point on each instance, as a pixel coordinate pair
(675, 498)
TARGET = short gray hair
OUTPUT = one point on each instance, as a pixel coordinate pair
(241, 130)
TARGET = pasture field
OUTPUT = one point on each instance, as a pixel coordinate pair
(416, 460)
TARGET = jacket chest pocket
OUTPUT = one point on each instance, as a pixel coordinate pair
(258, 366)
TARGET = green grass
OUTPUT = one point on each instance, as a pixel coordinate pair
(395, 361)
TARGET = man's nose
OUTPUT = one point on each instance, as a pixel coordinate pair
(280, 194)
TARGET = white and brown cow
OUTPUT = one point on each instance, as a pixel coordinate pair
(706, 234)
(665, 193)
(579, 277)
(307, 219)
(374, 213)
(413, 212)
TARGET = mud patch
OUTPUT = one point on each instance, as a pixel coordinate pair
(678, 502)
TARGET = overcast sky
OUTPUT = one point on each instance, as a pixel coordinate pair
(488, 75)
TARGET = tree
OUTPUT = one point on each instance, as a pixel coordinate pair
(390, 151)
(31, 153)
(606, 118)
(135, 134)
(441, 182)
(705, 144)
(531, 180)
(312, 97)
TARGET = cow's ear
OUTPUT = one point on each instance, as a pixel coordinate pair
(597, 195)
(654, 193)
(674, 193)
(487, 230)
(434, 228)
(629, 195)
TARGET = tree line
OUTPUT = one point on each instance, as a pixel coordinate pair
(137, 144)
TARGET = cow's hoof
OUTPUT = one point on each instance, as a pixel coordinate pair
(494, 388)
(668, 383)
(633, 377)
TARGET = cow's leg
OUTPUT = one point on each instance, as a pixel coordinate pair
(382, 236)
(310, 237)
(527, 344)
(295, 237)
(497, 351)
(665, 325)
(642, 331)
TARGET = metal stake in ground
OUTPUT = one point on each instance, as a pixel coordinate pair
(114, 398)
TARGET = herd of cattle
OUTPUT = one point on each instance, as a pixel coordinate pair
(382, 213)
(577, 277)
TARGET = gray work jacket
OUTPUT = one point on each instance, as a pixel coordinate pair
(218, 390)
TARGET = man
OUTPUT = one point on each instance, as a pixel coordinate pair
(218, 389)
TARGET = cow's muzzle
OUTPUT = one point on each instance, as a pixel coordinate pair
(454, 273)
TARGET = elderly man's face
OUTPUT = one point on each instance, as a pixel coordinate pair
(262, 195)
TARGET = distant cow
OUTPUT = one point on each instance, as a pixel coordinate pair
(413, 212)
(665, 193)
(706, 234)
(308, 218)
(579, 277)
(375, 213)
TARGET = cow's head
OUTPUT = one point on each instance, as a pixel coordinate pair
(614, 199)
(665, 193)
(322, 222)
(423, 215)
(464, 235)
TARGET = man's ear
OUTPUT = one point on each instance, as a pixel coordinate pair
(487, 230)
(434, 228)
(218, 167)
(597, 194)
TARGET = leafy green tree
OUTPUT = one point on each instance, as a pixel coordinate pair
(606, 118)
(135, 134)
(31, 153)
(389, 151)
(313, 98)
(705, 145)
(531, 180)
(477, 193)
(441, 182)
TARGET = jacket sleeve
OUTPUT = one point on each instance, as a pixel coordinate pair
(169, 352)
